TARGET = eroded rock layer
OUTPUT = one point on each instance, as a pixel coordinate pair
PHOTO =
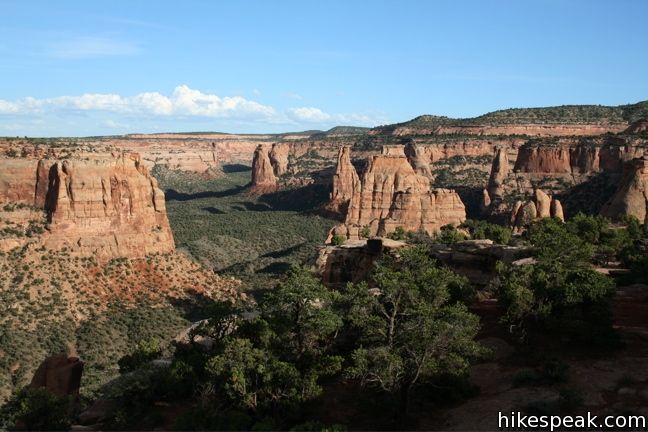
(631, 197)
(393, 195)
(100, 205)
(263, 176)
(345, 181)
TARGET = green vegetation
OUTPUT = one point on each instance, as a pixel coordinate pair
(560, 293)
(480, 230)
(565, 114)
(255, 239)
(36, 409)
(412, 331)
(406, 329)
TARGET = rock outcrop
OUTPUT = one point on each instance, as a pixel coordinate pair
(539, 206)
(631, 197)
(639, 126)
(99, 205)
(263, 176)
(279, 159)
(392, 195)
(568, 156)
(345, 181)
(60, 374)
(499, 172)
(419, 161)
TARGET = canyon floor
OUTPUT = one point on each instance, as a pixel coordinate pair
(255, 239)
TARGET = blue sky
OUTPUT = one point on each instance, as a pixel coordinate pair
(79, 68)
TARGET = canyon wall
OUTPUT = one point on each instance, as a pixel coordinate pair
(570, 157)
(102, 205)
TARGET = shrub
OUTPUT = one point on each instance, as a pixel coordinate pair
(36, 409)
(338, 240)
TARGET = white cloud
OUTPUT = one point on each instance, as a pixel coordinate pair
(7, 107)
(184, 101)
(184, 108)
(309, 114)
(91, 47)
(293, 95)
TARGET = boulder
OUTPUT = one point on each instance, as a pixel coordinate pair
(60, 374)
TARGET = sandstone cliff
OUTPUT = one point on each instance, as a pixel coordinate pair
(345, 181)
(568, 156)
(392, 195)
(631, 197)
(419, 161)
(102, 205)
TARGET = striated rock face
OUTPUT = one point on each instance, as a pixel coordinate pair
(568, 157)
(263, 176)
(631, 197)
(393, 195)
(279, 158)
(539, 206)
(105, 206)
(418, 159)
(499, 171)
(345, 180)
(543, 159)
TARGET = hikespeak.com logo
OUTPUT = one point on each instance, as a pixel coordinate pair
(517, 420)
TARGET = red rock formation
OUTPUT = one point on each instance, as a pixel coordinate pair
(345, 181)
(569, 156)
(263, 177)
(543, 159)
(419, 161)
(393, 195)
(102, 205)
(499, 172)
(60, 374)
(539, 206)
(557, 210)
(543, 203)
(279, 159)
(631, 197)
